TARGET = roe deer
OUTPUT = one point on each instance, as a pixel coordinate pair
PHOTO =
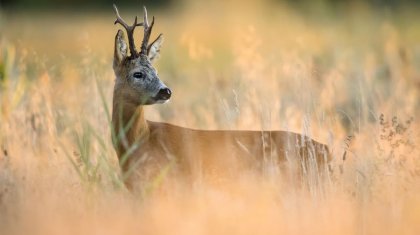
(145, 148)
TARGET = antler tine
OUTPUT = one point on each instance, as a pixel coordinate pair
(119, 19)
(146, 21)
(129, 29)
(147, 32)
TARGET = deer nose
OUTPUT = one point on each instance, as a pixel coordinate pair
(164, 93)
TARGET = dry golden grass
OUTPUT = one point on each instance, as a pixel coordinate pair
(259, 66)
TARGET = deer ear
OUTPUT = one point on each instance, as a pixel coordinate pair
(120, 48)
(154, 48)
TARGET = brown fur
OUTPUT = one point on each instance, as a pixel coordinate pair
(210, 155)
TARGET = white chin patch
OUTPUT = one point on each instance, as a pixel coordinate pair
(162, 101)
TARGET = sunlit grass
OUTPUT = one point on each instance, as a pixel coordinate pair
(230, 67)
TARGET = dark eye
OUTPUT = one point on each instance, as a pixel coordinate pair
(138, 75)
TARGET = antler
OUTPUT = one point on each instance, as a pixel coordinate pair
(147, 32)
(130, 31)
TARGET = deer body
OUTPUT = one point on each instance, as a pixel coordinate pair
(145, 148)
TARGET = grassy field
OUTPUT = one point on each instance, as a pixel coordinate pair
(259, 66)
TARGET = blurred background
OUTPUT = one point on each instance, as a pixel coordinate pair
(97, 4)
(229, 45)
(328, 69)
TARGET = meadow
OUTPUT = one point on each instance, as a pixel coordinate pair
(349, 79)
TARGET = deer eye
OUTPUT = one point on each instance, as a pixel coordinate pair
(138, 75)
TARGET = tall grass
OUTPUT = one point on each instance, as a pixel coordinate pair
(230, 66)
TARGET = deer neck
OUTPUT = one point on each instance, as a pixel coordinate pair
(130, 126)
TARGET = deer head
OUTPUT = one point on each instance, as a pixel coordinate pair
(137, 81)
